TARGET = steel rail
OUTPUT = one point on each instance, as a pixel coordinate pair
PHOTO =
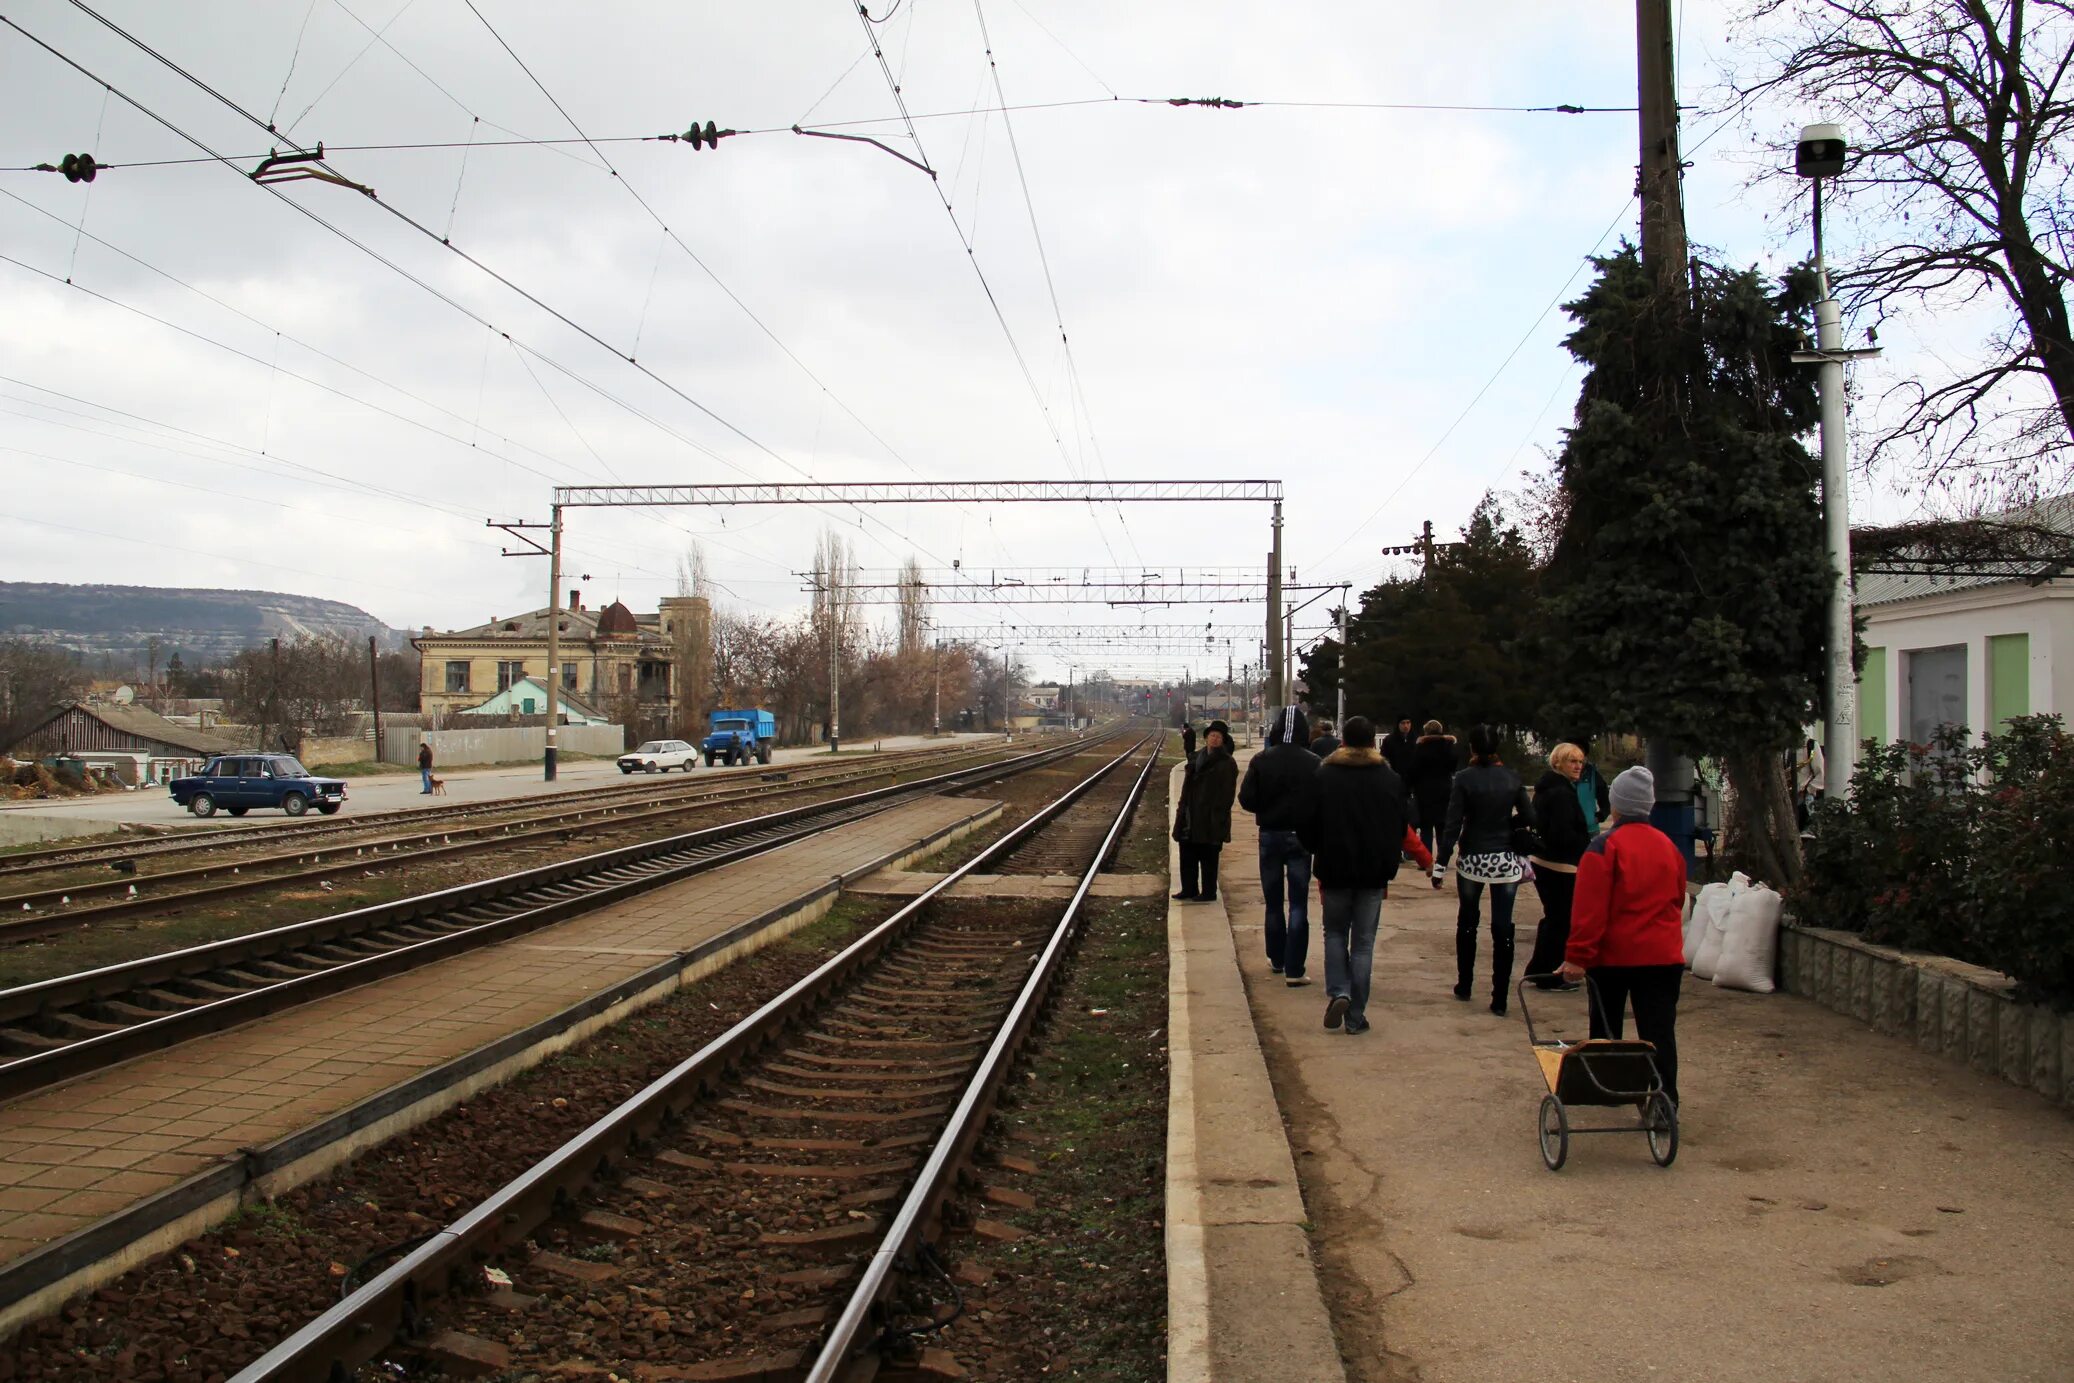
(390, 1305)
(919, 1215)
(85, 854)
(594, 875)
(20, 920)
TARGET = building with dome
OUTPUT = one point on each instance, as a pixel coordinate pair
(621, 663)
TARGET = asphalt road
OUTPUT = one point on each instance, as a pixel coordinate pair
(21, 822)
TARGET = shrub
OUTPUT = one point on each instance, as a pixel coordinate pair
(1957, 848)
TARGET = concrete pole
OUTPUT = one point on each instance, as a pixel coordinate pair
(554, 637)
(835, 679)
(1289, 655)
(936, 711)
(1840, 733)
(1663, 200)
(1339, 710)
(1274, 611)
(374, 691)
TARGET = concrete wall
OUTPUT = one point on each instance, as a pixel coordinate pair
(318, 750)
(1964, 1012)
(503, 744)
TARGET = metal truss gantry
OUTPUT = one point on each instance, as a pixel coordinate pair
(1250, 590)
(924, 492)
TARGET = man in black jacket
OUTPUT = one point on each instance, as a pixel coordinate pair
(1277, 791)
(1356, 832)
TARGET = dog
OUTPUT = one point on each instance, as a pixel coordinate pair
(438, 786)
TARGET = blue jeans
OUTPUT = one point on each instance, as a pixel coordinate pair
(425, 774)
(1468, 893)
(1349, 924)
(1288, 942)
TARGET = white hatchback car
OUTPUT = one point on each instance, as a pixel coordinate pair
(659, 756)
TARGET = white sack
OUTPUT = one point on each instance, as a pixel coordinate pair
(1750, 943)
(1715, 928)
(1698, 913)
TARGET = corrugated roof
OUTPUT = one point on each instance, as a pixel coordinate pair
(148, 724)
(1887, 588)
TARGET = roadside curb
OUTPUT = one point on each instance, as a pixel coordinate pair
(1244, 1304)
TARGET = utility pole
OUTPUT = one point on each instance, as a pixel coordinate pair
(835, 678)
(1289, 656)
(1274, 610)
(936, 708)
(1659, 181)
(1821, 153)
(554, 638)
(273, 693)
(374, 695)
(1661, 170)
(1339, 710)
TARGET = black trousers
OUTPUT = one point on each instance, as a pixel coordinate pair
(1557, 891)
(1653, 990)
(1199, 869)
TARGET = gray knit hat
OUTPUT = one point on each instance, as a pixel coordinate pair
(1633, 793)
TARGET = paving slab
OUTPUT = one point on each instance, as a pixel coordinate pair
(115, 1137)
(1843, 1206)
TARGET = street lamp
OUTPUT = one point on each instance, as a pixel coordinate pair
(1821, 153)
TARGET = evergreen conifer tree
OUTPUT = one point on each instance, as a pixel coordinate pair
(1685, 593)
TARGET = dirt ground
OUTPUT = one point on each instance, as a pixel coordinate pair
(1843, 1206)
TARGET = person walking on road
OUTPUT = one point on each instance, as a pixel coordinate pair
(1560, 823)
(1358, 829)
(1277, 790)
(1626, 926)
(1324, 742)
(424, 768)
(1485, 806)
(1203, 824)
(1432, 770)
(1397, 747)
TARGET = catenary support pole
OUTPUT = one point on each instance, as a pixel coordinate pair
(1274, 611)
(1339, 706)
(548, 765)
(374, 694)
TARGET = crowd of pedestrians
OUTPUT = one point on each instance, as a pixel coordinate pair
(1346, 810)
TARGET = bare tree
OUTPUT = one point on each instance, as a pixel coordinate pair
(1959, 112)
(914, 608)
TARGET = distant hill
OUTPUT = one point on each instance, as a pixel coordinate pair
(201, 625)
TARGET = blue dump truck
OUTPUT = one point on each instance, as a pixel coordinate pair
(736, 737)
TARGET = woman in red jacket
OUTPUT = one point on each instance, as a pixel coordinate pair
(1627, 924)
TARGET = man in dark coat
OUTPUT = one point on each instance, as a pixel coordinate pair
(1277, 791)
(425, 768)
(1187, 742)
(1324, 742)
(1203, 823)
(1396, 748)
(1432, 773)
(1356, 831)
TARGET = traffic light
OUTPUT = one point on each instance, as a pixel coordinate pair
(78, 167)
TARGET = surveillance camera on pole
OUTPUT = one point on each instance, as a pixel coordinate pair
(1822, 153)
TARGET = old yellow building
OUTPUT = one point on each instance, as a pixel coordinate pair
(622, 663)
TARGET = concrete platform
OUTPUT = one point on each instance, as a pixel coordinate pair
(910, 883)
(1244, 1304)
(1843, 1206)
(98, 1145)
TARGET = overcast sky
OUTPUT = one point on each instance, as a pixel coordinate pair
(1354, 301)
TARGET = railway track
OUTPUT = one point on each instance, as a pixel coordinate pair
(309, 833)
(770, 1208)
(57, 1029)
(55, 907)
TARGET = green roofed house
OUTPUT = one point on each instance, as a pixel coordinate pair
(1968, 624)
(528, 697)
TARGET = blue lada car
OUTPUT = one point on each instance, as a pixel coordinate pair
(239, 782)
